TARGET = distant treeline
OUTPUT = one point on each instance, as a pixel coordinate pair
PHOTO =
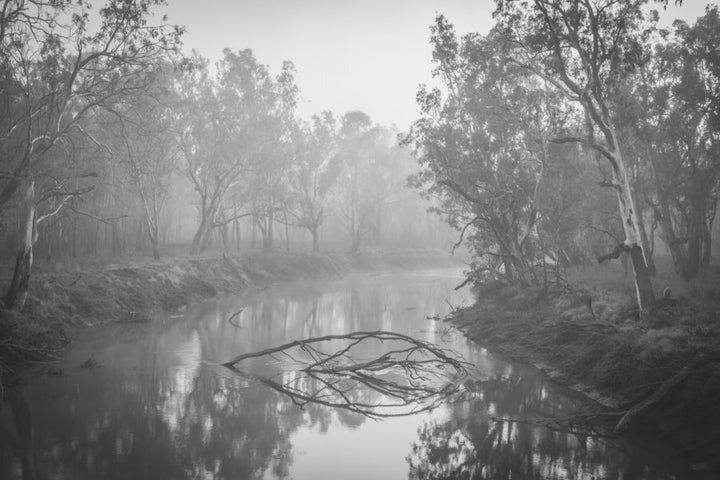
(112, 141)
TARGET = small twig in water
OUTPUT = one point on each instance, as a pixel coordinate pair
(231, 320)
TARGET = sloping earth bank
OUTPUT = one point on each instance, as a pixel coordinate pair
(61, 302)
(595, 342)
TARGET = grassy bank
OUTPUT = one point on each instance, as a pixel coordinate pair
(64, 299)
(590, 336)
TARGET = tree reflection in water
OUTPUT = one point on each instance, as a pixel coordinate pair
(377, 374)
(161, 406)
(472, 444)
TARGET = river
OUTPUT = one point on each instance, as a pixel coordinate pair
(151, 401)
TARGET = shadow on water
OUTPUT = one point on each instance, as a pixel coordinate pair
(160, 406)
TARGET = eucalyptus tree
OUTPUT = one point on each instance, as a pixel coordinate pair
(684, 139)
(59, 66)
(385, 178)
(205, 134)
(314, 172)
(581, 49)
(233, 135)
(357, 141)
(271, 176)
(483, 148)
(141, 139)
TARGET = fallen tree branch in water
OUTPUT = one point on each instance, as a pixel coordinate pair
(408, 377)
(232, 318)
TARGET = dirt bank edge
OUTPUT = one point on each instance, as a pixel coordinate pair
(593, 342)
(60, 303)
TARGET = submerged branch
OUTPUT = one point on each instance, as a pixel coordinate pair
(408, 377)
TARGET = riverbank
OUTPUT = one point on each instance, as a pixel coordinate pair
(664, 370)
(63, 300)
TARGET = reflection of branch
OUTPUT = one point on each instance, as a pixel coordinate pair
(231, 320)
(411, 376)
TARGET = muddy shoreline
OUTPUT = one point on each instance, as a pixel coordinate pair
(594, 343)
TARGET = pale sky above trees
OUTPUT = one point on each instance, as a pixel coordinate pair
(367, 55)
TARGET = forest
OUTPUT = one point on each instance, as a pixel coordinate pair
(113, 141)
(563, 135)
(572, 133)
(572, 136)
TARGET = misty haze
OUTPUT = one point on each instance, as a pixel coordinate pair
(323, 239)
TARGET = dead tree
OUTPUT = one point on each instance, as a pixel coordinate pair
(408, 377)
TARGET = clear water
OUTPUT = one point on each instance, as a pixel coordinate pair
(155, 403)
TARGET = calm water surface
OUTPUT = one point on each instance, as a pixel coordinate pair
(153, 403)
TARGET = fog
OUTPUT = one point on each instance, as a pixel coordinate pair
(303, 168)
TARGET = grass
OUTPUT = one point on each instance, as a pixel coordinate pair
(590, 334)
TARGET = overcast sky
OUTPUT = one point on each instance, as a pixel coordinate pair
(369, 55)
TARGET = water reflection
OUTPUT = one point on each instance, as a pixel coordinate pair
(160, 407)
(474, 442)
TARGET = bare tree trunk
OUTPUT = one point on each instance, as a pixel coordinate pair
(378, 224)
(253, 237)
(139, 235)
(205, 240)
(631, 225)
(154, 244)
(316, 239)
(16, 295)
(287, 232)
(268, 234)
(355, 241)
(645, 242)
(706, 244)
(200, 235)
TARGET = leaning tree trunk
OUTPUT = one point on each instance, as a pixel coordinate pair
(631, 226)
(153, 235)
(17, 293)
(201, 234)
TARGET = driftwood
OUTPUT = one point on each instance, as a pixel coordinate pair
(467, 280)
(410, 376)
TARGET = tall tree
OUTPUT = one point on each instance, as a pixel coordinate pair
(483, 147)
(57, 71)
(582, 48)
(684, 140)
(315, 171)
(141, 132)
(233, 132)
(357, 140)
